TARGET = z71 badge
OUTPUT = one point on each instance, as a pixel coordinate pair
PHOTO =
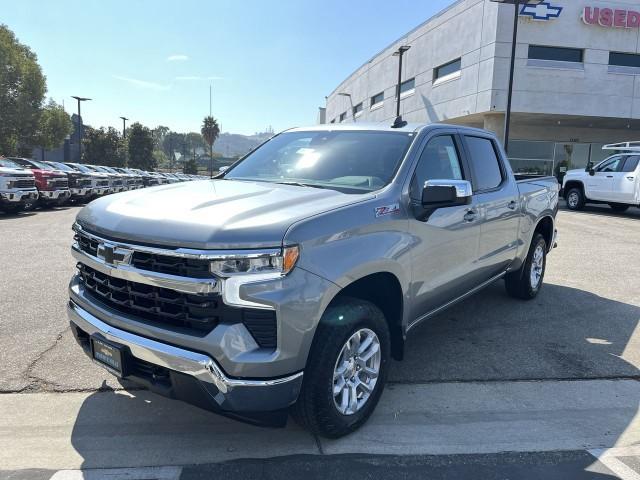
(387, 210)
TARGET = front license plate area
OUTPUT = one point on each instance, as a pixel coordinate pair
(109, 355)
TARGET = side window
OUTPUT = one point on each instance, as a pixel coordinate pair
(610, 165)
(438, 161)
(631, 163)
(485, 164)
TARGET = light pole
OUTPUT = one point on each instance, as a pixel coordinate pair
(353, 114)
(399, 53)
(514, 42)
(80, 126)
(124, 126)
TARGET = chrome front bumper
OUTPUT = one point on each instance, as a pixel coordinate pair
(81, 192)
(54, 194)
(233, 395)
(18, 196)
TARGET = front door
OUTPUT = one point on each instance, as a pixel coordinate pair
(446, 240)
(600, 185)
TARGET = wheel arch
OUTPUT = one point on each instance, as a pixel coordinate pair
(573, 184)
(545, 227)
(384, 290)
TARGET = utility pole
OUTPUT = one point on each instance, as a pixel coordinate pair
(399, 53)
(124, 126)
(80, 126)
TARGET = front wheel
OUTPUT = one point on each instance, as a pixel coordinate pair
(346, 370)
(526, 282)
(575, 199)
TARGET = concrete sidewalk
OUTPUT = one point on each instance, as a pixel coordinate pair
(117, 429)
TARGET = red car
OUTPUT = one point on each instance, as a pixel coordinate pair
(52, 184)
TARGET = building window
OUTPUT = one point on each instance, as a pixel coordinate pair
(376, 100)
(407, 87)
(556, 54)
(357, 110)
(448, 70)
(624, 59)
(343, 115)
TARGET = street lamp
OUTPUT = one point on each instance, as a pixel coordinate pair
(80, 126)
(516, 13)
(124, 126)
(399, 53)
(353, 114)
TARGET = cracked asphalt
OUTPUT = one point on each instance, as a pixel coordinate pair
(582, 326)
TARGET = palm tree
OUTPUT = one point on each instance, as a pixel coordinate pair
(210, 131)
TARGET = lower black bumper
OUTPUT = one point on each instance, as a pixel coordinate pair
(260, 402)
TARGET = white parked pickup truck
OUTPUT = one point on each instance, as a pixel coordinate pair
(615, 180)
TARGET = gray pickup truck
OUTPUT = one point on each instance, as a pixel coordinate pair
(290, 281)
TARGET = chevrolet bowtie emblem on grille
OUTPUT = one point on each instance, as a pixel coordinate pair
(113, 255)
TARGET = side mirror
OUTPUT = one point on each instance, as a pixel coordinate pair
(446, 193)
(223, 169)
(592, 172)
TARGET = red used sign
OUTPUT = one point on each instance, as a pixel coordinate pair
(611, 18)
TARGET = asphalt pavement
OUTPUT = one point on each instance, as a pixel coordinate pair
(564, 366)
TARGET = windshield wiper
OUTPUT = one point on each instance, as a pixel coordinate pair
(301, 184)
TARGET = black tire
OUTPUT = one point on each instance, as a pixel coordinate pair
(519, 284)
(12, 209)
(315, 408)
(575, 199)
(619, 207)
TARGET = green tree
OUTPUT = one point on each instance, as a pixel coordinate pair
(22, 89)
(210, 131)
(103, 147)
(141, 147)
(161, 159)
(53, 127)
(191, 167)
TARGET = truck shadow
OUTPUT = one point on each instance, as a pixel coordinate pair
(565, 333)
(604, 210)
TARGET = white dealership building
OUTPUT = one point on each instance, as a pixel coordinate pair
(576, 84)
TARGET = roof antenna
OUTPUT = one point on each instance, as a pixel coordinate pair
(399, 122)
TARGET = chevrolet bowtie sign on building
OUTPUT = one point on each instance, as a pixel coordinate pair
(541, 11)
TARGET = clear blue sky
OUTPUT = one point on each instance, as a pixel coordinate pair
(270, 62)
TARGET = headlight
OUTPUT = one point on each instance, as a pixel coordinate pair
(250, 264)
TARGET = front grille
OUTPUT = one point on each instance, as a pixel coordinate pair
(102, 183)
(59, 183)
(183, 267)
(26, 183)
(84, 182)
(117, 183)
(196, 313)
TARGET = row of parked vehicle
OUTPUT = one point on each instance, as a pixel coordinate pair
(27, 183)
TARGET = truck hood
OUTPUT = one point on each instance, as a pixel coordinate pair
(210, 214)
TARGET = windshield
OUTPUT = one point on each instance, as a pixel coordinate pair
(61, 166)
(348, 161)
(5, 162)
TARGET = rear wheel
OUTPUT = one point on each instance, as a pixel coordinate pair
(346, 369)
(575, 199)
(619, 207)
(526, 282)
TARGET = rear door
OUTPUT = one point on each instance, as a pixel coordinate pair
(446, 240)
(496, 205)
(600, 185)
(625, 180)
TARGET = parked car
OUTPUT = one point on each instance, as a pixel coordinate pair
(52, 184)
(17, 187)
(148, 180)
(134, 181)
(118, 181)
(80, 184)
(100, 182)
(614, 181)
(295, 277)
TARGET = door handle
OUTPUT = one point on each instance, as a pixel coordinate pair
(631, 178)
(609, 176)
(512, 205)
(470, 216)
